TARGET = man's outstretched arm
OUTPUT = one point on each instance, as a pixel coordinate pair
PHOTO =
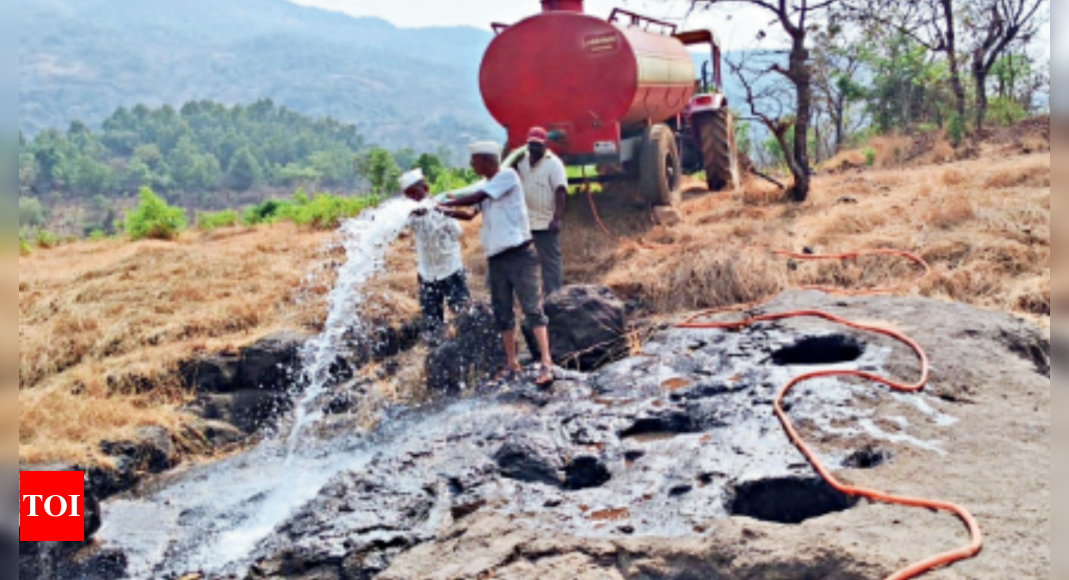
(471, 200)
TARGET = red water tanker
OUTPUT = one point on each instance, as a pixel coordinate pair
(620, 94)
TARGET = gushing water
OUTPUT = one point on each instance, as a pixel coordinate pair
(214, 518)
(366, 239)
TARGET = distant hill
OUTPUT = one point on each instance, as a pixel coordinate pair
(81, 59)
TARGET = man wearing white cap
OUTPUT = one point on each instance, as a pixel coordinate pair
(514, 266)
(441, 270)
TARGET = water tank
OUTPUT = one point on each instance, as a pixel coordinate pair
(588, 81)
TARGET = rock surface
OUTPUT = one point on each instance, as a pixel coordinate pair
(586, 326)
(475, 353)
(664, 466)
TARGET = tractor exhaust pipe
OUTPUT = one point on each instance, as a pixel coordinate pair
(562, 6)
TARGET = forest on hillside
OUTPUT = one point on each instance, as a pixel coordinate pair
(202, 148)
(80, 60)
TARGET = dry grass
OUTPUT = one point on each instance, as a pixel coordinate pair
(989, 246)
(891, 150)
(103, 326)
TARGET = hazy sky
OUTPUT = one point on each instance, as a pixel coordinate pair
(737, 26)
(739, 31)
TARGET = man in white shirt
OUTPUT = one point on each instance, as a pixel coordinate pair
(507, 240)
(545, 186)
(442, 280)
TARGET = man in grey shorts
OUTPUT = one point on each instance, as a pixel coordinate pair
(514, 265)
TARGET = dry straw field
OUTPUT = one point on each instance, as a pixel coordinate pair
(104, 326)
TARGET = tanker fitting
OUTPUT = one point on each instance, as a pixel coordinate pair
(562, 6)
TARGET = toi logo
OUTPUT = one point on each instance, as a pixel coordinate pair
(51, 506)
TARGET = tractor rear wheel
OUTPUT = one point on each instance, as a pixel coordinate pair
(659, 167)
(720, 157)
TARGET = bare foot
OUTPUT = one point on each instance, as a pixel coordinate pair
(507, 374)
(545, 377)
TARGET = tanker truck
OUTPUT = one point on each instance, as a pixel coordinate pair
(620, 94)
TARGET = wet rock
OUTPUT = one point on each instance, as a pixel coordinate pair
(669, 465)
(220, 434)
(216, 373)
(57, 560)
(586, 472)
(586, 326)
(269, 363)
(248, 410)
(532, 458)
(150, 451)
(475, 352)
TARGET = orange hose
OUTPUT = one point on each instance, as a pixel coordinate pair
(975, 533)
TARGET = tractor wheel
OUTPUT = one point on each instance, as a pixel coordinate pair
(716, 132)
(660, 168)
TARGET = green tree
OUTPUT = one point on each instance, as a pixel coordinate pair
(135, 175)
(245, 172)
(432, 166)
(377, 166)
(32, 214)
(192, 169)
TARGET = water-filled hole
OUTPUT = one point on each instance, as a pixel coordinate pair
(820, 350)
(586, 473)
(867, 458)
(656, 428)
(788, 500)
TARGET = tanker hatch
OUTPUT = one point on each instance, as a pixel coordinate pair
(562, 6)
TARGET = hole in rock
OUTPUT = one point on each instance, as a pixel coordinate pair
(585, 473)
(867, 458)
(659, 428)
(788, 500)
(820, 350)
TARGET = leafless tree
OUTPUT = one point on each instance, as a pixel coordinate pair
(795, 18)
(770, 101)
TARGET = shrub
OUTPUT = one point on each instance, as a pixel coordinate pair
(31, 213)
(24, 246)
(870, 157)
(325, 211)
(267, 212)
(154, 219)
(212, 221)
(96, 236)
(956, 130)
(46, 240)
(1006, 112)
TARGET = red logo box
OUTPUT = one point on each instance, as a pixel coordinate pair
(51, 506)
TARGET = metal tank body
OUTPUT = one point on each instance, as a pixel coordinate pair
(587, 81)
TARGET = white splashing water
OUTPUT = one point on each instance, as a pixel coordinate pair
(366, 239)
(195, 526)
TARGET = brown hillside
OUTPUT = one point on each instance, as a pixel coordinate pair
(104, 326)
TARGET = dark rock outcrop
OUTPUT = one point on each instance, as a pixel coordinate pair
(270, 364)
(586, 326)
(150, 451)
(668, 465)
(56, 560)
(471, 356)
(250, 389)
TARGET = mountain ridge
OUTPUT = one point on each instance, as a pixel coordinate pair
(82, 60)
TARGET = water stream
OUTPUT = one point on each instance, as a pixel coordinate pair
(365, 239)
(214, 516)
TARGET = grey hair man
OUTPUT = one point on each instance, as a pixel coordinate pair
(513, 264)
